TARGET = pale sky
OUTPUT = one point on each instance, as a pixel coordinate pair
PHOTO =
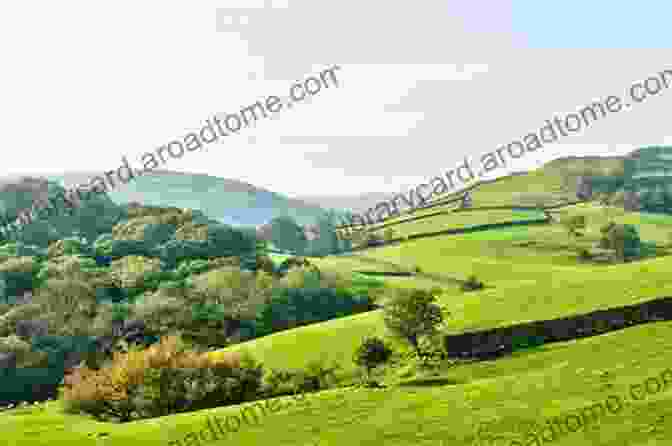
(422, 84)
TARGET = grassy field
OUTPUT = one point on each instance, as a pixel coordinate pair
(459, 220)
(531, 273)
(503, 397)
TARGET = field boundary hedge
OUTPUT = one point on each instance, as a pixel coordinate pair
(454, 231)
(496, 342)
(473, 209)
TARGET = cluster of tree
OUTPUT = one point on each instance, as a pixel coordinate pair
(286, 234)
(622, 239)
(294, 307)
(412, 316)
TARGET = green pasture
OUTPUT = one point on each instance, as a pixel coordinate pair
(456, 220)
(503, 398)
(530, 273)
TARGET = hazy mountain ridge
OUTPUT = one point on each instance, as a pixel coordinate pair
(230, 201)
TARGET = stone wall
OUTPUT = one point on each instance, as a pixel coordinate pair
(497, 342)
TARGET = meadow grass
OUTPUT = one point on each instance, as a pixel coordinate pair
(457, 220)
(506, 396)
(531, 273)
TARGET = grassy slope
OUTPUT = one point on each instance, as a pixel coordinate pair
(527, 386)
(459, 220)
(506, 394)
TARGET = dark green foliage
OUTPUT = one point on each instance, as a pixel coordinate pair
(287, 235)
(152, 279)
(412, 314)
(31, 251)
(173, 285)
(190, 267)
(264, 263)
(228, 241)
(156, 233)
(223, 241)
(30, 383)
(293, 307)
(15, 283)
(60, 347)
(371, 353)
(76, 246)
(95, 214)
(114, 294)
(327, 241)
(208, 312)
(472, 284)
(248, 261)
(169, 391)
(315, 377)
(175, 251)
(120, 312)
(624, 239)
(123, 248)
(526, 342)
(294, 262)
(584, 254)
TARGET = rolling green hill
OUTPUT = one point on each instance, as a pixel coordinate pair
(530, 273)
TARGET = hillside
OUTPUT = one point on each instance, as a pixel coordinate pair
(530, 274)
(230, 201)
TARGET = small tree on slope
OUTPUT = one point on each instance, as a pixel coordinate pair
(413, 314)
(371, 353)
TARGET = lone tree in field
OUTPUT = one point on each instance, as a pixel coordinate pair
(412, 314)
(371, 353)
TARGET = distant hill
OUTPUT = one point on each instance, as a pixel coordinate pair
(356, 203)
(229, 201)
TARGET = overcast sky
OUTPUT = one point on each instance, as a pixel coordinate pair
(422, 84)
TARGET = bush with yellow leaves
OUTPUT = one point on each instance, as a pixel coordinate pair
(161, 380)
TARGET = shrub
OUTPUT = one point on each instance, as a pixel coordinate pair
(584, 254)
(18, 274)
(66, 296)
(371, 353)
(472, 284)
(624, 239)
(9, 320)
(14, 344)
(162, 314)
(314, 377)
(191, 267)
(161, 380)
(124, 248)
(265, 264)
(69, 246)
(130, 271)
(293, 307)
(433, 351)
(412, 314)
